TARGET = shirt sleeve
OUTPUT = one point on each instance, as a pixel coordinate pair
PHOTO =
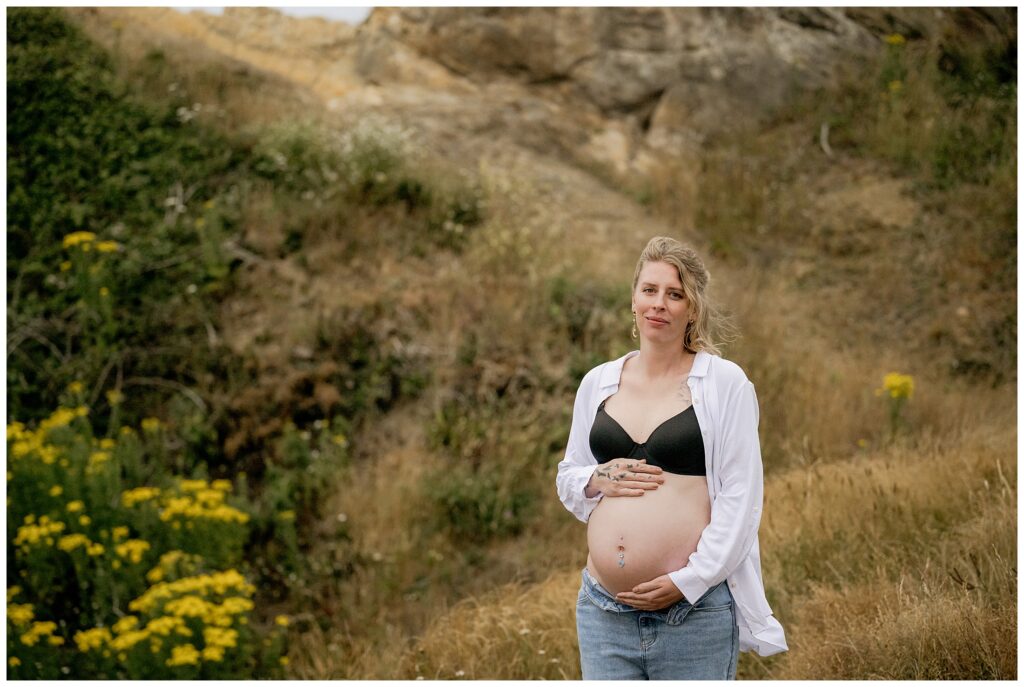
(578, 465)
(736, 511)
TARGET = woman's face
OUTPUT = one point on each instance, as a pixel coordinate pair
(662, 310)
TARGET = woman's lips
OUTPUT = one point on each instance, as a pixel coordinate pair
(656, 321)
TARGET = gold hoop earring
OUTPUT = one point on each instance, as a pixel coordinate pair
(634, 324)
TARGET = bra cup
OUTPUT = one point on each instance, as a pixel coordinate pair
(678, 446)
(609, 441)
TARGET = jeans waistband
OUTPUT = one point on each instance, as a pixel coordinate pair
(604, 600)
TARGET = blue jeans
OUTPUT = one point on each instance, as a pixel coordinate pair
(685, 641)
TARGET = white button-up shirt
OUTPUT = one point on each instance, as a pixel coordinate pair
(726, 407)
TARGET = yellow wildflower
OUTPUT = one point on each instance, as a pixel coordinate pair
(58, 418)
(193, 484)
(165, 625)
(14, 661)
(84, 520)
(73, 541)
(29, 535)
(38, 630)
(107, 443)
(56, 490)
(897, 385)
(81, 411)
(75, 506)
(98, 458)
(138, 495)
(150, 424)
(219, 636)
(75, 387)
(125, 624)
(13, 592)
(55, 640)
(213, 653)
(340, 440)
(281, 620)
(184, 654)
(283, 660)
(120, 532)
(188, 606)
(132, 549)
(20, 614)
(104, 291)
(107, 246)
(65, 265)
(895, 39)
(286, 515)
(221, 485)
(895, 86)
(114, 397)
(95, 549)
(78, 237)
(15, 430)
(127, 640)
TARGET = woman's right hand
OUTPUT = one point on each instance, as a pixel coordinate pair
(625, 477)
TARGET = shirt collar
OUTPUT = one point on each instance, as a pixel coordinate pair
(612, 372)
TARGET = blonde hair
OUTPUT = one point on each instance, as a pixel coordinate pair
(710, 326)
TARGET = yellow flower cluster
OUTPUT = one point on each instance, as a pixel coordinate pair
(73, 541)
(31, 534)
(182, 655)
(895, 39)
(75, 387)
(40, 630)
(96, 461)
(206, 504)
(20, 614)
(138, 495)
(896, 385)
(132, 549)
(26, 442)
(219, 582)
(151, 424)
(119, 532)
(89, 640)
(79, 237)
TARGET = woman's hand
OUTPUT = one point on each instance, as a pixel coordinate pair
(625, 477)
(660, 592)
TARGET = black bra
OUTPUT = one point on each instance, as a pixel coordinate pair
(676, 445)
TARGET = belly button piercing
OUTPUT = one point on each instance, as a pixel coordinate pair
(622, 555)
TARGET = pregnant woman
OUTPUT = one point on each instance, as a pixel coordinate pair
(664, 466)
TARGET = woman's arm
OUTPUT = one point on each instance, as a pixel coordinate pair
(736, 511)
(576, 468)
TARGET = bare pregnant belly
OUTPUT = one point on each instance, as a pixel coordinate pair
(633, 539)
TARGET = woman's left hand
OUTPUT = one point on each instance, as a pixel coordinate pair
(651, 596)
